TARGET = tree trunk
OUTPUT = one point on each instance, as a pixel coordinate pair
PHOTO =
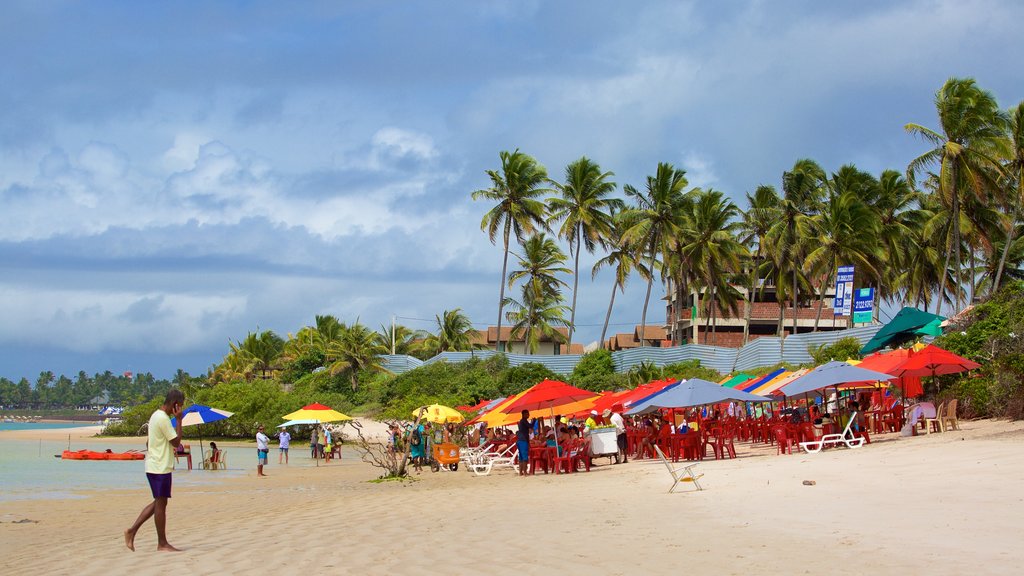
(647, 298)
(607, 317)
(575, 285)
(956, 236)
(821, 299)
(1006, 247)
(942, 279)
(796, 293)
(750, 295)
(714, 313)
(501, 294)
(782, 323)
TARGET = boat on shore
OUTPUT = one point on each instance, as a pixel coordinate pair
(105, 455)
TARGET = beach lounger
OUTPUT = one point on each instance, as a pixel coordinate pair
(846, 438)
(483, 465)
(681, 474)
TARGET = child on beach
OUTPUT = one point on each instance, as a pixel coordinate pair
(284, 440)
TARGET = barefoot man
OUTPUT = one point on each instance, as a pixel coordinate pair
(163, 439)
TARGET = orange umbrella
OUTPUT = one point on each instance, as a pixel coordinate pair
(933, 361)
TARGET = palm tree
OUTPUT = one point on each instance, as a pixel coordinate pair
(624, 259)
(1015, 175)
(399, 339)
(259, 351)
(763, 211)
(537, 314)
(652, 222)
(709, 243)
(454, 333)
(967, 145)
(358, 349)
(540, 261)
(585, 211)
(897, 218)
(803, 187)
(844, 232)
(518, 211)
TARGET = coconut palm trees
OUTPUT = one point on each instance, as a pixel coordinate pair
(1015, 184)
(357, 349)
(516, 189)
(708, 241)
(967, 147)
(624, 260)
(454, 333)
(653, 220)
(585, 210)
(540, 261)
(762, 213)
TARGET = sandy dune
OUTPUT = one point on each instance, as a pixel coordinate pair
(942, 504)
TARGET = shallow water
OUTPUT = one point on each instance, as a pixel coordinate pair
(29, 470)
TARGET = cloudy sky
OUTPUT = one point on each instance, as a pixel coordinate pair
(174, 175)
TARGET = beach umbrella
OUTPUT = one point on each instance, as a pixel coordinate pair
(831, 374)
(933, 361)
(693, 392)
(317, 412)
(438, 414)
(199, 414)
(887, 362)
(751, 385)
(904, 326)
(550, 394)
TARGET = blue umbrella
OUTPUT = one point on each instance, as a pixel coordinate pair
(200, 414)
(693, 392)
(832, 374)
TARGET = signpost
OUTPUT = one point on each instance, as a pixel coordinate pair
(863, 305)
(844, 291)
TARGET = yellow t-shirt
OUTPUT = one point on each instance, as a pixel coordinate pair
(160, 453)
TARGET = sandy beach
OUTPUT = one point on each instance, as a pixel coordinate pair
(942, 504)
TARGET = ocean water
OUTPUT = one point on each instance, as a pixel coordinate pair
(28, 469)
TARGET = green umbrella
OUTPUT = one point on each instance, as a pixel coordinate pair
(737, 379)
(933, 328)
(902, 328)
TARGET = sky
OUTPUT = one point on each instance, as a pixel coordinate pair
(175, 175)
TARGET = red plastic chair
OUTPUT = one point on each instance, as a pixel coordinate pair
(540, 457)
(784, 443)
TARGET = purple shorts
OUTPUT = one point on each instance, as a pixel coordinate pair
(160, 484)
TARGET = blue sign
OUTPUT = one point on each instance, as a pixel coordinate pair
(844, 291)
(863, 305)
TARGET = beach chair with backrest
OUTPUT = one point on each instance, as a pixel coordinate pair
(681, 474)
(949, 420)
(846, 437)
(935, 424)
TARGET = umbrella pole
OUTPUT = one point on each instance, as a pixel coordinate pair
(554, 427)
(201, 455)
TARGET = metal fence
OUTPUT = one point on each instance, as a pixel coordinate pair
(764, 351)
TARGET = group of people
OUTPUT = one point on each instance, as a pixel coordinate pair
(528, 431)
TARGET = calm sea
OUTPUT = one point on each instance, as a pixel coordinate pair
(29, 470)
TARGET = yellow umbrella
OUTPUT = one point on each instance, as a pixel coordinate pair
(438, 414)
(317, 412)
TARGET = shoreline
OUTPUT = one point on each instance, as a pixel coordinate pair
(889, 507)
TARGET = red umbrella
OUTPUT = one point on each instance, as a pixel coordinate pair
(933, 361)
(887, 362)
(549, 394)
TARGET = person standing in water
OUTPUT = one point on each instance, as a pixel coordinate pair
(163, 440)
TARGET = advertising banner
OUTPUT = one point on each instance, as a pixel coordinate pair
(863, 305)
(844, 291)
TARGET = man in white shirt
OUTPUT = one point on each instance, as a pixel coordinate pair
(620, 433)
(163, 439)
(262, 450)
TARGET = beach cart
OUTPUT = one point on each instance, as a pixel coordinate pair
(445, 454)
(603, 443)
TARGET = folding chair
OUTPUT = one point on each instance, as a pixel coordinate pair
(681, 474)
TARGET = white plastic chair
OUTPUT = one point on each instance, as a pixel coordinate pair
(846, 437)
(681, 474)
(482, 464)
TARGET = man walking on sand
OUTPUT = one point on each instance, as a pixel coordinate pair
(262, 450)
(163, 439)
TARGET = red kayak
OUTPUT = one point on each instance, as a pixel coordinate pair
(108, 455)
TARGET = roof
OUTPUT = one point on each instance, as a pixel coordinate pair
(649, 332)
